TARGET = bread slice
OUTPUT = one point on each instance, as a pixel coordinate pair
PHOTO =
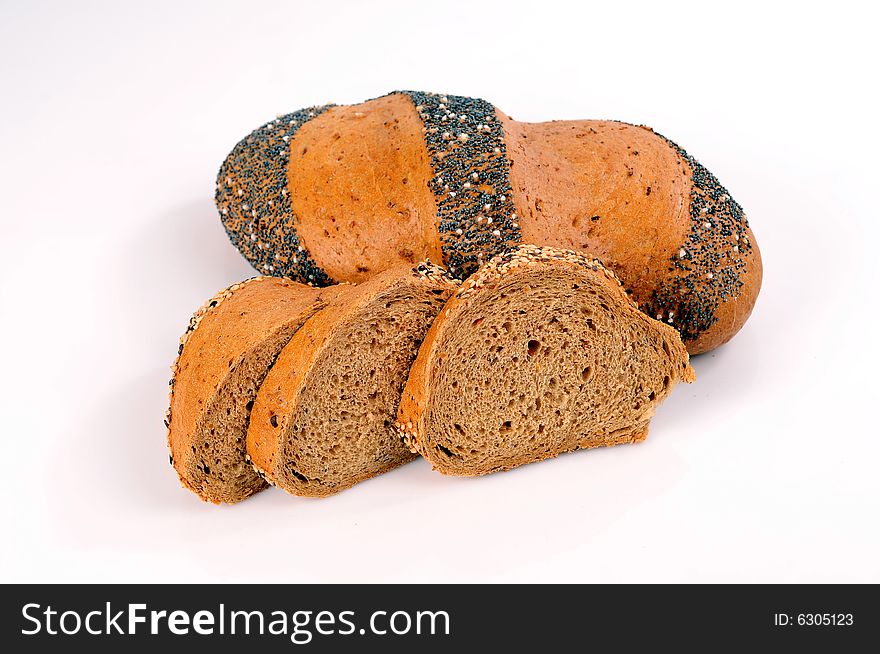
(323, 419)
(539, 353)
(228, 348)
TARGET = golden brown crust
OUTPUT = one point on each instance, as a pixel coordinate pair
(624, 194)
(416, 396)
(575, 191)
(358, 179)
(219, 335)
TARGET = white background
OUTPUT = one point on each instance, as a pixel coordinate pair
(113, 121)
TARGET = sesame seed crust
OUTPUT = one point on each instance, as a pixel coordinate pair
(709, 268)
(527, 254)
(471, 183)
(434, 273)
(254, 204)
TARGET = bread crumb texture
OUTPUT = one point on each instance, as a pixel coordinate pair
(223, 357)
(323, 418)
(540, 352)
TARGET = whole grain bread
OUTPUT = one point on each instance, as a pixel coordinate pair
(340, 193)
(223, 357)
(540, 352)
(323, 418)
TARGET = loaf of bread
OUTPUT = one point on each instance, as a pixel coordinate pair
(540, 352)
(223, 357)
(323, 418)
(339, 193)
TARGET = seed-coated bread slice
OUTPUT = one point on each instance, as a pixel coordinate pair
(228, 348)
(323, 419)
(539, 353)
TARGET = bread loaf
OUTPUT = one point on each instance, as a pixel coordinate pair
(339, 193)
(540, 352)
(323, 418)
(222, 359)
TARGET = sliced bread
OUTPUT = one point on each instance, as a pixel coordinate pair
(538, 353)
(323, 418)
(228, 348)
